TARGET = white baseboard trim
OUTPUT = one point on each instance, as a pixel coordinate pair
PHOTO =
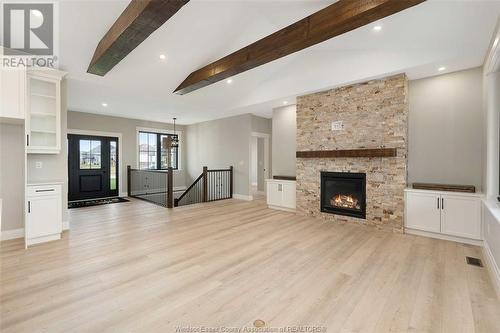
(43, 239)
(123, 194)
(443, 237)
(12, 234)
(65, 225)
(242, 197)
(291, 210)
(493, 268)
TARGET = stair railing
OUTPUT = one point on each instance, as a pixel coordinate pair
(155, 186)
(211, 185)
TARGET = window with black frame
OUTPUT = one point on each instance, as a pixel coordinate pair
(153, 154)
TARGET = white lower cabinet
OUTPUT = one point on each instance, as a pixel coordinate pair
(281, 194)
(446, 213)
(43, 213)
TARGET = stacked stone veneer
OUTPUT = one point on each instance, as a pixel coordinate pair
(375, 115)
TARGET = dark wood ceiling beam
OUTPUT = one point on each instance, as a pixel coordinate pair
(334, 20)
(139, 20)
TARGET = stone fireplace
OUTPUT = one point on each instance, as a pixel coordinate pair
(373, 115)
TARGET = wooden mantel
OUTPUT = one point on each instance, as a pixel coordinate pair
(376, 152)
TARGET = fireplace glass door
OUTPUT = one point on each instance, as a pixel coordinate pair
(343, 193)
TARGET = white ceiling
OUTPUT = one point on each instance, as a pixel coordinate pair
(454, 34)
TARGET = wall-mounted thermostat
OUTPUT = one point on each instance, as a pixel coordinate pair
(337, 125)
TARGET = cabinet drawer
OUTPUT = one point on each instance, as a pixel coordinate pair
(43, 190)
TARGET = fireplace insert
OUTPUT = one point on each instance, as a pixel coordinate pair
(343, 193)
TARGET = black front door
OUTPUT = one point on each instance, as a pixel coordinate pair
(92, 167)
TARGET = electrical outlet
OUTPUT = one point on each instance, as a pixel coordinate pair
(337, 125)
(38, 165)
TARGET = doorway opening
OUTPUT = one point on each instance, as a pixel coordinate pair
(259, 163)
(93, 167)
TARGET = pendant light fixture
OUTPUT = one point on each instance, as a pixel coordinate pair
(175, 138)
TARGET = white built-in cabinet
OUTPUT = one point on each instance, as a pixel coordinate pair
(43, 221)
(43, 119)
(444, 213)
(12, 94)
(32, 98)
(281, 194)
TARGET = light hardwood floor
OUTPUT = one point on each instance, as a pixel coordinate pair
(136, 267)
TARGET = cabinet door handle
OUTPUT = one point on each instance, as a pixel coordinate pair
(27, 139)
(48, 190)
(29, 206)
(442, 203)
(438, 202)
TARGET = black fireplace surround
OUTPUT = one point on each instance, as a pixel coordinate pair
(343, 193)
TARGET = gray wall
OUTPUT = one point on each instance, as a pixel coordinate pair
(128, 128)
(284, 129)
(219, 144)
(446, 129)
(12, 176)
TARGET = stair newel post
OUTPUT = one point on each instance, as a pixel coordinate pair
(167, 143)
(129, 176)
(205, 184)
(231, 181)
(170, 187)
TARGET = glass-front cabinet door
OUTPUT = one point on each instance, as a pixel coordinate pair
(43, 125)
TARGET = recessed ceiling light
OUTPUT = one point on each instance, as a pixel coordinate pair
(495, 42)
(229, 81)
(441, 69)
(377, 28)
(163, 57)
(285, 102)
(104, 104)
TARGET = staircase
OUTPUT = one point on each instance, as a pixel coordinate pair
(156, 186)
(211, 185)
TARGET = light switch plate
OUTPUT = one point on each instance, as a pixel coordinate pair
(337, 125)
(38, 165)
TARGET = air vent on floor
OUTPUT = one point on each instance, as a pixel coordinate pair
(474, 261)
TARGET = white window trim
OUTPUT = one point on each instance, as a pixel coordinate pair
(161, 131)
